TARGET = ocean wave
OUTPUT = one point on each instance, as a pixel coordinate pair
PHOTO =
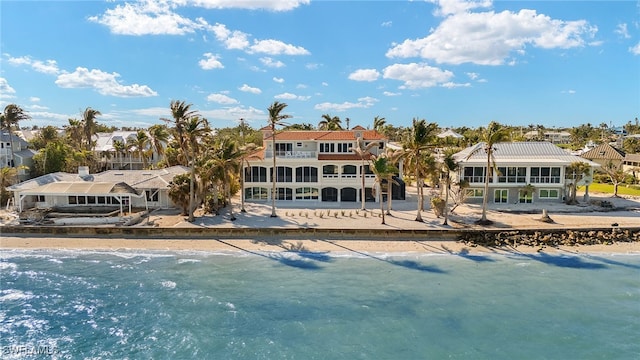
(168, 284)
(13, 295)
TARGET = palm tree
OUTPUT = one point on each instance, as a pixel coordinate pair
(227, 157)
(73, 133)
(140, 143)
(449, 165)
(120, 149)
(89, 125)
(9, 120)
(379, 123)
(363, 150)
(576, 171)
(180, 112)
(494, 134)
(194, 129)
(383, 169)
(275, 119)
(8, 177)
(158, 136)
(421, 139)
(330, 123)
(393, 156)
(245, 150)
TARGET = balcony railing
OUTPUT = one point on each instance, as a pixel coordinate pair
(545, 179)
(292, 154)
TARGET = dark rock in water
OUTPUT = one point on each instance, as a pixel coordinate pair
(614, 224)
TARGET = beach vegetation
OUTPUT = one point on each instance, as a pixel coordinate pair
(89, 127)
(363, 150)
(383, 169)
(494, 134)
(9, 121)
(575, 172)
(330, 123)
(276, 118)
(449, 165)
(416, 155)
(179, 192)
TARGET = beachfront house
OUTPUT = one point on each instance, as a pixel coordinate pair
(117, 151)
(528, 172)
(113, 189)
(316, 165)
(14, 153)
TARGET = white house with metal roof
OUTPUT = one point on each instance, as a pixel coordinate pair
(315, 165)
(123, 189)
(527, 172)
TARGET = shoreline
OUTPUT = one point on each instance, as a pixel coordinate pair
(319, 246)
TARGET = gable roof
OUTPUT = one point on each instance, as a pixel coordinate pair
(604, 151)
(87, 188)
(450, 133)
(520, 153)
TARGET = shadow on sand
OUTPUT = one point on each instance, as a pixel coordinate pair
(305, 260)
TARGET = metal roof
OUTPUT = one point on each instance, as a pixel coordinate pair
(528, 152)
(81, 188)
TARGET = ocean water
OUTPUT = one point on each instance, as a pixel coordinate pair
(186, 305)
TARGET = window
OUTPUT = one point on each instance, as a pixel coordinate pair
(307, 193)
(73, 200)
(548, 194)
(501, 196)
(306, 174)
(256, 193)
(255, 174)
(545, 175)
(327, 147)
(38, 198)
(299, 144)
(525, 197)
(474, 174)
(344, 147)
(282, 149)
(284, 174)
(284, 194)
(91, 199)
(349, 171)
(152, 195)
(330, 171)
(82, 200)
(367, 170)
(512, 174)
(101, 200)
(475, 193)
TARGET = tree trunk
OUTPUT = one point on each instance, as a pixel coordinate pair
(274, 175)
(446, 202)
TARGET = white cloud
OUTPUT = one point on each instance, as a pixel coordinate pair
(270, 62)
(249, 89)
(231, 39)
(6, 91)
(34, 99)
(36, 115)
(570, 92)
(221, 99)
(635, 50)
(38, 107)
(104, 83)
(278, 80)
(46, 67)
(488, 38)
(272, 5)
(364, 102)
(389, 93)
(451, 85)
(621, 30)
(290, 96)
(146, 17)
(312, 66)
(472, 75)
(417, 76)
(276, 47)
(387, 24)
(448, 7)
(210, 61)
(364, 75)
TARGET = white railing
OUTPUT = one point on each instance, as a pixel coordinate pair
(292, 154)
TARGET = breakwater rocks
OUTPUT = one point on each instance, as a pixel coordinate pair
(555, 237)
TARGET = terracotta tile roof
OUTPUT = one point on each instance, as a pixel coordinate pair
(326, 135)
(256, 156)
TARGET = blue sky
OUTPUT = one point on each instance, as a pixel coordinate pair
(457, 63)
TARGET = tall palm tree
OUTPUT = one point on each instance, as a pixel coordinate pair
(120, 149)
(363, 150)
(494, 134)
(449, 165)
(275, 119)
(421, 139)
(393, 156)
(89, 125)
(180, 113)
(74, 134)
(228, 158)
(383, 170)
(194, 129)
(140, 143)
(330, 123)
(158, 136)
(9, 120)
(379, 123)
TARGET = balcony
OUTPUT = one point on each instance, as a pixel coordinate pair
(291, 154)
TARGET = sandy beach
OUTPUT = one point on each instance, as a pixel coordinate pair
(519, 216)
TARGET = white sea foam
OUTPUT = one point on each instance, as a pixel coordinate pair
(8, 266)
(186, 261)
(169, 284)
(13, 295)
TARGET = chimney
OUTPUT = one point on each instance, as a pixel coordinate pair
(83, 171)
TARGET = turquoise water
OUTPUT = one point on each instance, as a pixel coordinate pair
(181, 305)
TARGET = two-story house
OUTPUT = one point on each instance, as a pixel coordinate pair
(314, 166)
(527, 172)
(116, 151)
(20, 157)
